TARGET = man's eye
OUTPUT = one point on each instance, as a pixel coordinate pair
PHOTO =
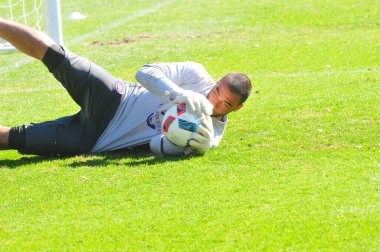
(226, 104)
(217, 91)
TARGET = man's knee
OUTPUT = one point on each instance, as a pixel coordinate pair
(4, 137)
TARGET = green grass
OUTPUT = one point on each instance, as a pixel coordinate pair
(297, 170)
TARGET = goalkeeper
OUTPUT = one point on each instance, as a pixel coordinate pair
(116, 114)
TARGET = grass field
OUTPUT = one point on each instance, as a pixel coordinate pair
(297, 170)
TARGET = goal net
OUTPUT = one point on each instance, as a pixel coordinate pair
(44, 15)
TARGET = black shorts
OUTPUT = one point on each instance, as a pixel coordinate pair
(97, 93)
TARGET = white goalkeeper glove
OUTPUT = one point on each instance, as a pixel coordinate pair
(203, 141)
(196, 103)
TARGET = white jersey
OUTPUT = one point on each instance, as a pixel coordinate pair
(139, 117)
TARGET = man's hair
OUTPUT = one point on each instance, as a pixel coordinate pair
(239, 84)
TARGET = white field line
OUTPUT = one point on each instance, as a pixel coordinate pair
(100, 30)
(143, 13)
(275, 75)
(305, 74)
(15, 65)
(122, 21)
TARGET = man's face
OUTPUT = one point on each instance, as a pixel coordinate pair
(223, 99)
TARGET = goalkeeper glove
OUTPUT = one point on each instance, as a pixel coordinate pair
(202, 141)
(196, 103)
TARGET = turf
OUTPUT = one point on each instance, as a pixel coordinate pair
(297, 170)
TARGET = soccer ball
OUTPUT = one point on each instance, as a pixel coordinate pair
(179, 125)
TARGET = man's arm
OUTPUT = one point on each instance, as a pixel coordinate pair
(159, 79)
(168, 79)
(26, 39)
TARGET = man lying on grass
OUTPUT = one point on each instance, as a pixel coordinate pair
(117, 114)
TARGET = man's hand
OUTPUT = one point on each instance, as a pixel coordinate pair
(202, 141)
(196, 103)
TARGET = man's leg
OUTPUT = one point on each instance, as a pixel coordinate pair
(29, 41)
(91, 87)
(26, 39)
(4, 136)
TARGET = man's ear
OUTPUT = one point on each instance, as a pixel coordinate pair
(238, 107)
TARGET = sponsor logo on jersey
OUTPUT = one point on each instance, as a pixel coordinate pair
(149, 121)
(154, 120)
(119, 86)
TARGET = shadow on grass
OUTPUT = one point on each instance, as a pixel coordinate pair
(128, 158)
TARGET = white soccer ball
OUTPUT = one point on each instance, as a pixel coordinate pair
(178, 125)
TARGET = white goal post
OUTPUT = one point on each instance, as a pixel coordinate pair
(41, 14)
(54, 20)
